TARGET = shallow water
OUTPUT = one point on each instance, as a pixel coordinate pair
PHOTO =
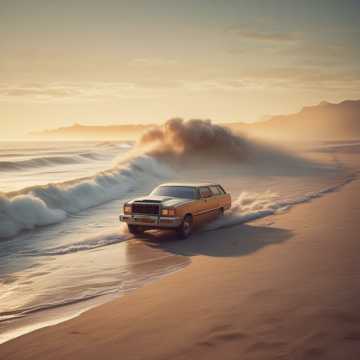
(87, 255)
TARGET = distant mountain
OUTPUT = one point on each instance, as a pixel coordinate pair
(90, 132)
(325, 121)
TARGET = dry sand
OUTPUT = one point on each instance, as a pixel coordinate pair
(285, 287)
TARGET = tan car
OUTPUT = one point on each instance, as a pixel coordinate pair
(178, 206)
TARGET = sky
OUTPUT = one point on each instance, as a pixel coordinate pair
(145, 61)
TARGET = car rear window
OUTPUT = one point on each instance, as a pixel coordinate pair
(183, 192)
(215, 190)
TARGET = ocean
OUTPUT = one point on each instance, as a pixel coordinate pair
(62, 247)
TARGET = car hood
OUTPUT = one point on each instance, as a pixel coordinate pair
(163, 200)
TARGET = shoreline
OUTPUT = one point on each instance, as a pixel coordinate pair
(65, 312)
(43, 318)
(236, 296)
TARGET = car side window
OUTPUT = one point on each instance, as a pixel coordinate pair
(221, 189)
(205, 192)
(215, 190)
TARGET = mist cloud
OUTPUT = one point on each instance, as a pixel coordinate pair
(194, 137)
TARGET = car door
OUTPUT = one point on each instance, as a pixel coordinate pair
(216, 196)
(208, 203)
(195, 207)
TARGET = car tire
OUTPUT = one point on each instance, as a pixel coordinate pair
(135, 229)
(221, 212)
(185, 229)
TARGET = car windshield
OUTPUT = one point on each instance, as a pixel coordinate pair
(184, 192)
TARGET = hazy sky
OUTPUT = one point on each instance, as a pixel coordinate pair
(145, 61)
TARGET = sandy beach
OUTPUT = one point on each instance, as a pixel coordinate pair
(283, 287)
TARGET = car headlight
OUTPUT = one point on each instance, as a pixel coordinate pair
(168, 212)
(127, 209)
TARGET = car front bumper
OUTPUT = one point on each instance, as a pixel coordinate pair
(151, 221)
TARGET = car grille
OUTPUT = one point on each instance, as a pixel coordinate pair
(148, 209)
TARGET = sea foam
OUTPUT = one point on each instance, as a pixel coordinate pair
(251, 206)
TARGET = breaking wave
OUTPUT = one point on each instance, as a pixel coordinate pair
(52, 203)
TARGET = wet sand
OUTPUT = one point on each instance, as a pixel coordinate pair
(284, 287)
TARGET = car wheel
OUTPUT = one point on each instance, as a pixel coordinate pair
(135, 229)
(221, 212)
(185, 229)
